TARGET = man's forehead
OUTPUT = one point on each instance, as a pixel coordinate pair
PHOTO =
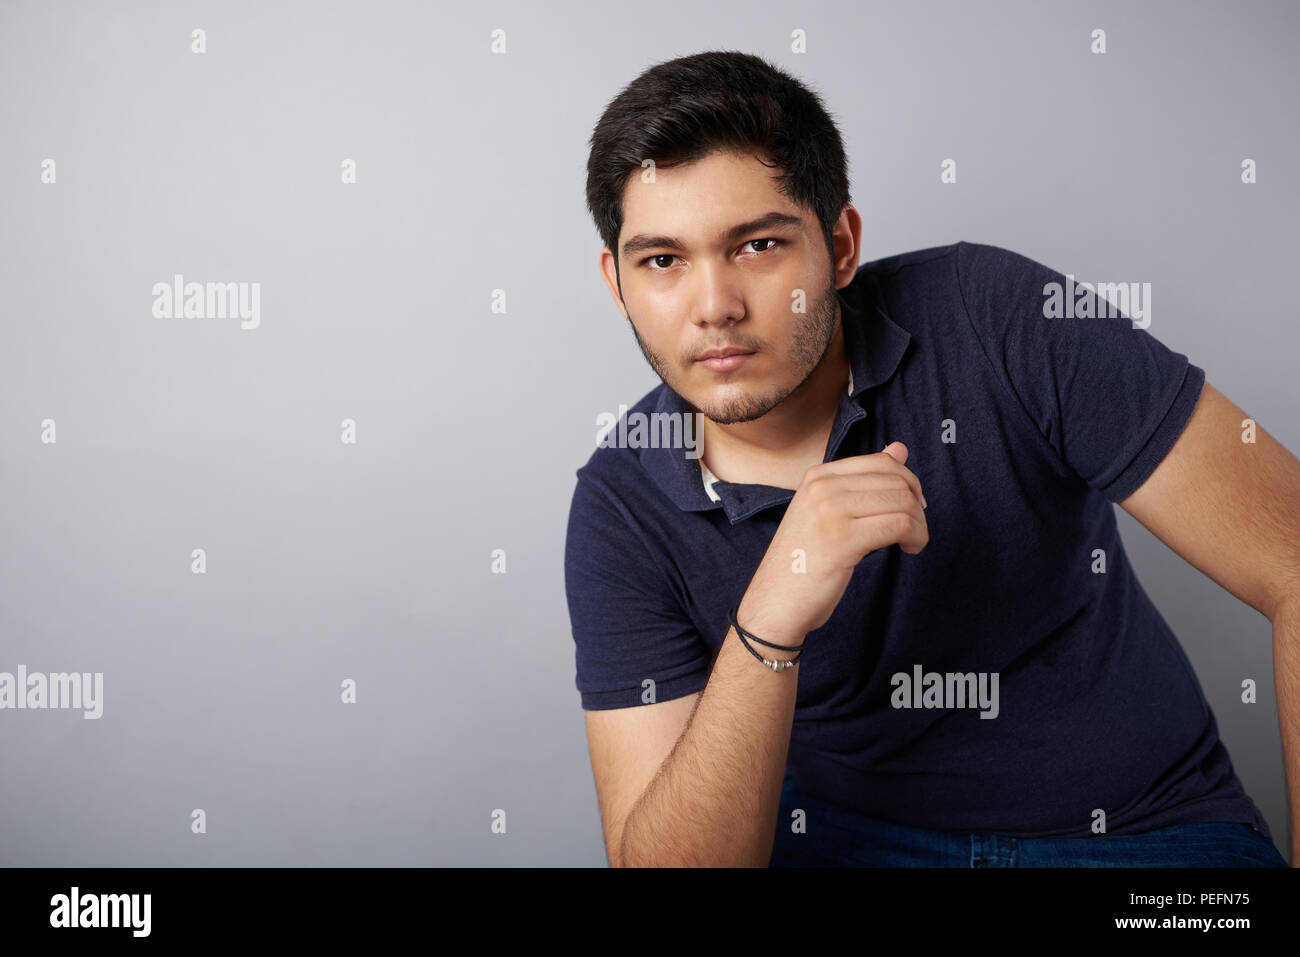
(718, 179)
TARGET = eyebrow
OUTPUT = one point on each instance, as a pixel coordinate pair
(773, 220)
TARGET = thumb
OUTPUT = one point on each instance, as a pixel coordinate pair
(898, 451)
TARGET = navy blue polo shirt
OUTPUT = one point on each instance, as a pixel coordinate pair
(1022, 430)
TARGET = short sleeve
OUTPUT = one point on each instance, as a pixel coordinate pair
(1105, 393)
(628, 626)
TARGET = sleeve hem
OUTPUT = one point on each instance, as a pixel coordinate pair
(665, 690)
(1133, 475)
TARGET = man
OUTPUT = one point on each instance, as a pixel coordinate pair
(905, 489)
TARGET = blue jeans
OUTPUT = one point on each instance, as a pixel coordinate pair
(837, 837)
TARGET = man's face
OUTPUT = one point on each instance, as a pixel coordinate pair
(688, 287)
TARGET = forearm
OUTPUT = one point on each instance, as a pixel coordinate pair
(1286, 679)
(715, 800)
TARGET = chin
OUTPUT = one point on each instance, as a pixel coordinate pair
(745, 407)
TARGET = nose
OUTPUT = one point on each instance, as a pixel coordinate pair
(715, 297)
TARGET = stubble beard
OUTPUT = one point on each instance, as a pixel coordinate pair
(813, 332)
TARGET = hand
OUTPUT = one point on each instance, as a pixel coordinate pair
(841, 512)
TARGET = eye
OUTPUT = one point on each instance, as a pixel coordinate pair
(654, 258)
(773, 243)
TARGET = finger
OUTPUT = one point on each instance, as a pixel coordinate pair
(897, 451)
(907, 530)
(877, 495)
(873, 463)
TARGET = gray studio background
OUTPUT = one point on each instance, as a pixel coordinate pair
(373, 561)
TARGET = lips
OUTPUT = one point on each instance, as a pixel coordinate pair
(724, 360)
(723, 353)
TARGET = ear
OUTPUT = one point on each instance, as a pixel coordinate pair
(847, 236)
(611, 278)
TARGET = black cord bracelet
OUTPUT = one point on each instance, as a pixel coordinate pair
(731, 617)
(776, 665)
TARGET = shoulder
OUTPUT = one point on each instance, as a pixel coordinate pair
(983, 262)
(957, 273)
(971, 258)
(927, 291)
(971, 264)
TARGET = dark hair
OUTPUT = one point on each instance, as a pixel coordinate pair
(681, 110)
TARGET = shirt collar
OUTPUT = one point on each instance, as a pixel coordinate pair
(875, 345)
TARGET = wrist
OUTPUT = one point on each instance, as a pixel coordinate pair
(770, 625)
